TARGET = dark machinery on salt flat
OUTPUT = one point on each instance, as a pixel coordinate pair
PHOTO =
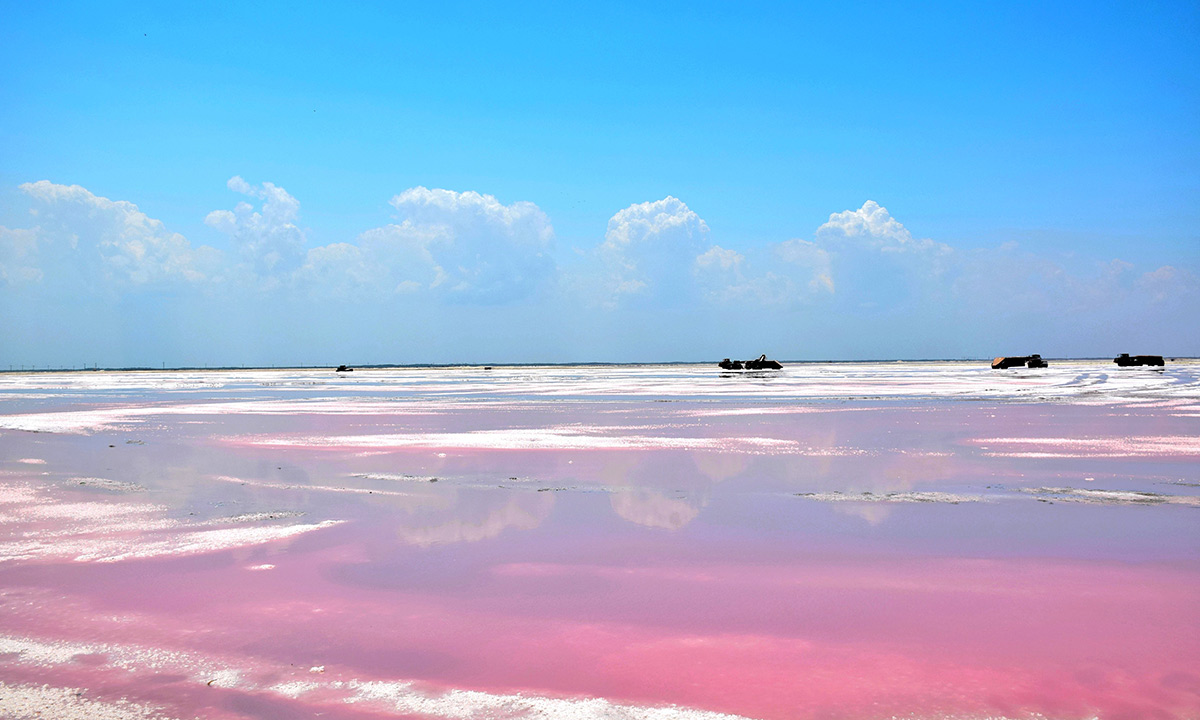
(1032, 361)
(1127, 360)
(761, 363)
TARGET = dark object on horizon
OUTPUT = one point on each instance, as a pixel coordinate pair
(1125, 360)
(762, 363)
(1004, 363)
(1033, 361)
(343, 368)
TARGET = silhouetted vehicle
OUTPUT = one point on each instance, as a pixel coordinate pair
(1127, 360)
(1004, 363)
(343, 368)
(1033, 361)
(760, 363)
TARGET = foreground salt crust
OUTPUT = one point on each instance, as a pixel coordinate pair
(242, 674)
(404, 698)
(31, 701)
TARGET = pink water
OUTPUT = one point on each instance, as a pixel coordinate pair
(829, 542)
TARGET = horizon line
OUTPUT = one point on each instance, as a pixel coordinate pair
(488, 365)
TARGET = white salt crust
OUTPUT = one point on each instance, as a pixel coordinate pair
(107, 484)
(561, 438)
(116, 531)
(404, 698)
(894, 497)
(310, 488)
(1092, 496)
(1064, 447)
(1111, 497)
(27, 702)
(398, 696)
(439, 390)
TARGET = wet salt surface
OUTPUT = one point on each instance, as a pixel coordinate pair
(916, 540)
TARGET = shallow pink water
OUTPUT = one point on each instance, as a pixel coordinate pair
(275, 550)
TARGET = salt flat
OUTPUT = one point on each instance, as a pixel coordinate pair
(855, 540)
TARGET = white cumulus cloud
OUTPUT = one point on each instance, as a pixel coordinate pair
(79, 233)
(650, 250)
(267, 239)
(465, 246)
(873, 225)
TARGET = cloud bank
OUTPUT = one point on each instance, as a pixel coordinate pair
(97, 240)
(461, 275)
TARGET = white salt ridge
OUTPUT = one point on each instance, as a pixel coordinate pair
(295, 688)
(394, 477)
(309, 488)
(19, 702)
(910, 496)
(107, 484)
(400, 696)
(1065, 494)
(72, 422)
(189, 543)
(255, 517)
(35, 652)
(114, 532)
(90, 421)
(1111, 497)
(135, 659)
(522, 439)
(91, 511)
(766, 410)
(1065, 447)
(127, 526)
(405, 698)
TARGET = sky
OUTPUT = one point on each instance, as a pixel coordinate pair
(280, 183)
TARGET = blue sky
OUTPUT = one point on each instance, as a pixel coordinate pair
(473, 182)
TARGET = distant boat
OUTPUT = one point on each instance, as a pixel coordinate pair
(343, 368)
(1126, 360)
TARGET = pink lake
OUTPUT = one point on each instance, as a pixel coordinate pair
(860, 541)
